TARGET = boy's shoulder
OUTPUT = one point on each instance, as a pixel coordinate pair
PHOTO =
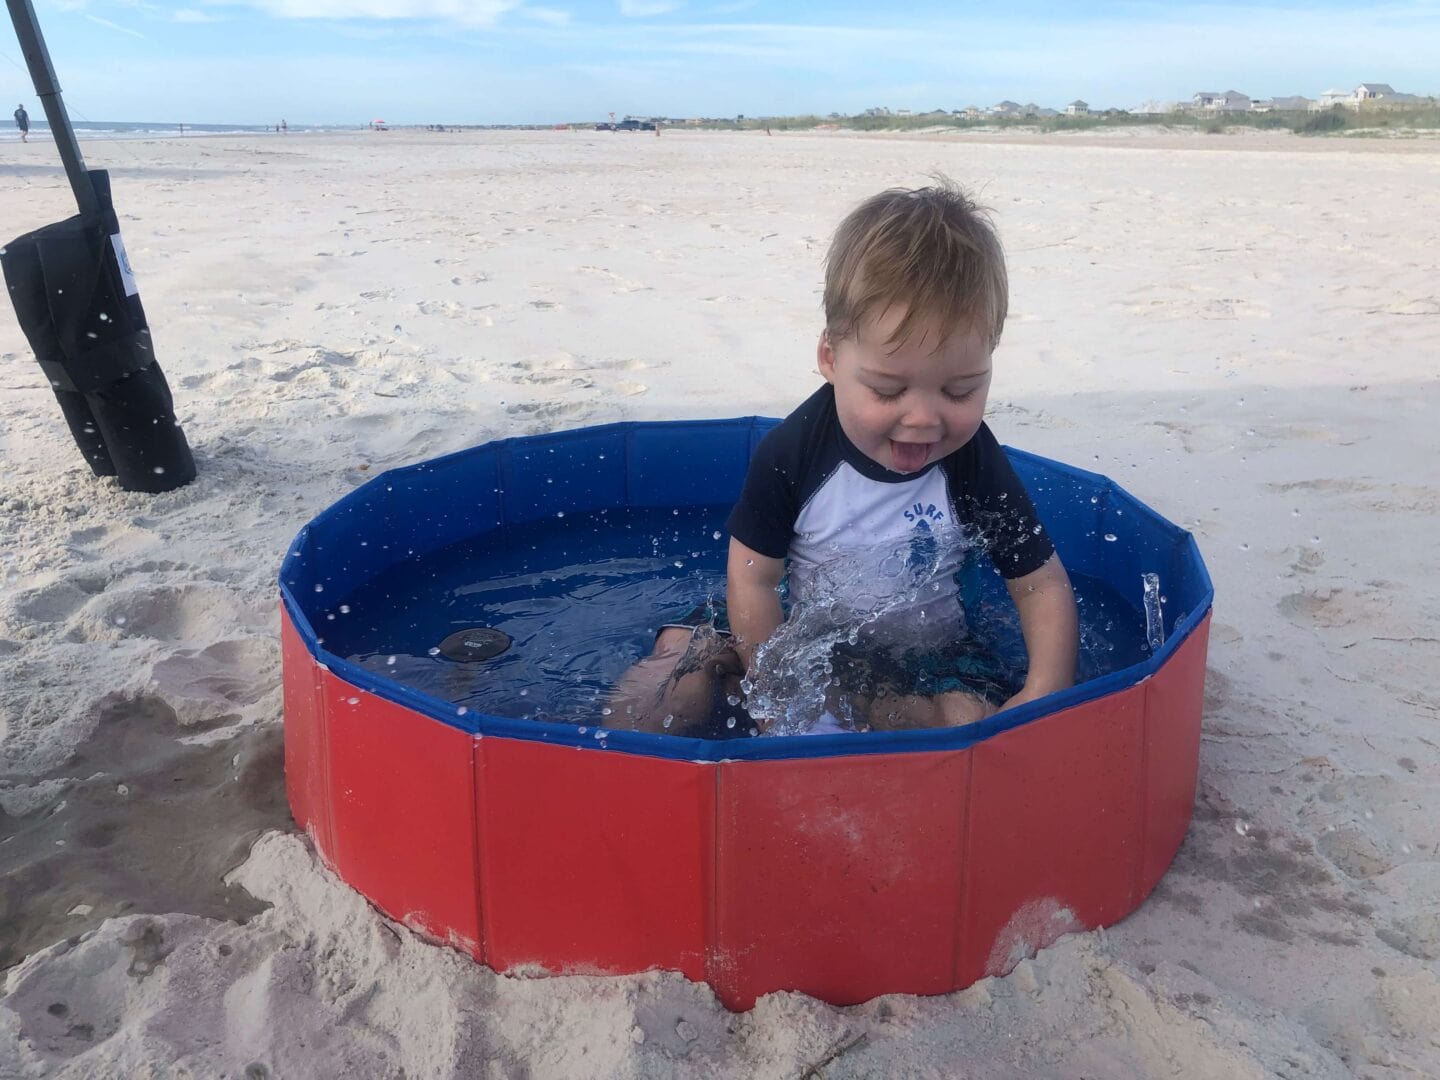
(797, 439)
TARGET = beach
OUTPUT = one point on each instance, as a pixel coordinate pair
(1239, 329)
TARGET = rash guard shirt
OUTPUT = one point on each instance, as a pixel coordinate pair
(812, 497)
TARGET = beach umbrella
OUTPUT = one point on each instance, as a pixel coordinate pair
(78, 305)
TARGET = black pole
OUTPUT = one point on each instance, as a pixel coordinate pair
(42, 74)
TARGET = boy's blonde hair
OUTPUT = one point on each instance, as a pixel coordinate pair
(930, 250)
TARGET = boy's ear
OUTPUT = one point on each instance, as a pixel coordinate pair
(825, 357)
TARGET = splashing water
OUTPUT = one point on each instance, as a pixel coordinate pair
(1154, 618)
(856, 608)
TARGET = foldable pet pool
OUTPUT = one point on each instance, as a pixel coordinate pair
(844, 866)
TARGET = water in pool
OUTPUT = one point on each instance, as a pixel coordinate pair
(581, 596)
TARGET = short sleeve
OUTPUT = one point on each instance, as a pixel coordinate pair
(991, 499)
(764, 517)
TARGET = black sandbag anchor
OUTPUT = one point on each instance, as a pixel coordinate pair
(79, 308)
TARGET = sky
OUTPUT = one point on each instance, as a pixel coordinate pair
(510, 61)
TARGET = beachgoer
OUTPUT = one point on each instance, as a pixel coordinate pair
(22, 121)
(891, 451)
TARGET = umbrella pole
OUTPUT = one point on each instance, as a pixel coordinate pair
(42, 74)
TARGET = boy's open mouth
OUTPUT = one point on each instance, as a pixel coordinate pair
(909, 456)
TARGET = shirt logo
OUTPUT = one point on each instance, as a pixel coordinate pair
(922, 512)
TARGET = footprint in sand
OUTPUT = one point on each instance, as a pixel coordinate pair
(1428, 305)
(220, 682)
(544, 410)
(176, 613)
(58, 600)
(1333, 608)
(1414, 935)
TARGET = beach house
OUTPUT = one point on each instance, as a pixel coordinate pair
(1214, 101)
(1383, 94)
(1077, 108)
(1282, 104)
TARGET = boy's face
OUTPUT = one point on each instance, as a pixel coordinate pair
(908, 405)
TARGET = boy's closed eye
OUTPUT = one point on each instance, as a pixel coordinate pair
(953, 395)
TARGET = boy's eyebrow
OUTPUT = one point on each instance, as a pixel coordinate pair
(886, 376)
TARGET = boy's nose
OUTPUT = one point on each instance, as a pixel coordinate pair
(921, 415)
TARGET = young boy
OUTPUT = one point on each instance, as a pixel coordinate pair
(891, 451)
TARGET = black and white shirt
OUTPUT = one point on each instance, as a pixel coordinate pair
(812, 497)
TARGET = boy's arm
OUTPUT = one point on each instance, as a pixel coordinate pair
(1050, 624)
(751, 599)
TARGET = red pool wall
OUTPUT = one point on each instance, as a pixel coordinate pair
(842, 877)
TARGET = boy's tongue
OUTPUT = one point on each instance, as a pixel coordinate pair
(909, 456)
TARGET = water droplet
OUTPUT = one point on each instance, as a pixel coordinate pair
(159, 470)
(715, 535)
(344, 609)
(670, 719)
(524, 693)
(356, 701)
(319, 587)
(390, 660)
(559, 513)
(397, 328)
(583, 729)
(606, 711)
(461, 711)
(104, 317)
(1244, 547)
(732, 699)
(1111, 537)
(729, 721)
(119, 620)
(434, 651)
(679, 562)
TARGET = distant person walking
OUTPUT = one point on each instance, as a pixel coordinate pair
(22, 121)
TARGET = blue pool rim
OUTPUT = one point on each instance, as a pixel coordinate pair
(411, 511)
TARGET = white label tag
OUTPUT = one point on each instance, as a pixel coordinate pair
(126, 274)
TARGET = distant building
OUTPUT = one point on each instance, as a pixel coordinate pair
(1336, 97)
(971, 112)
(1077, 108)
(1155, 108)
(1005, 108)
(1281, 104)
(1216, 102)
(1383, 94)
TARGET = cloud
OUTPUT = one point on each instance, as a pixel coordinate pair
(113, 26)
(548, 16)
(459, 12)
(189, 15)
(642, 9)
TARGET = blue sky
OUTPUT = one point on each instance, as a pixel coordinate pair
(499, 61)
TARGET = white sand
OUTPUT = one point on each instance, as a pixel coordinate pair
(1242, 331)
